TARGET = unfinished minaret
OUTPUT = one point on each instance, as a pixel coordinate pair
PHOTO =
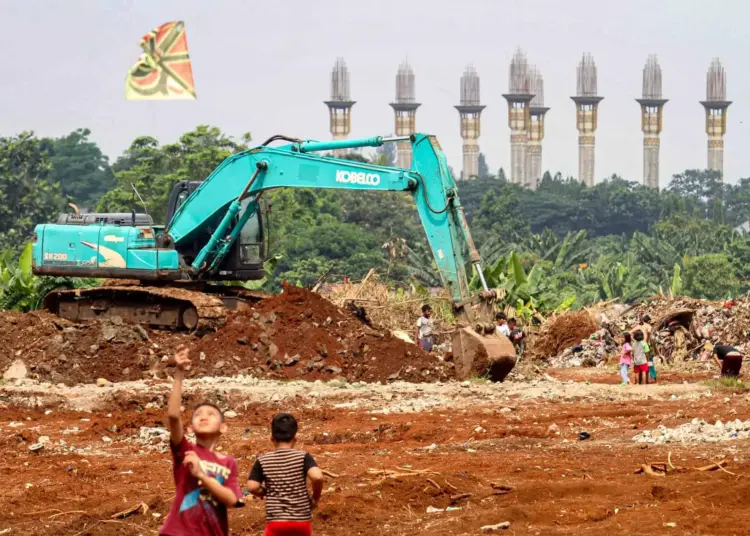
(716, 105)
(470, 111)
(587, 104)
(340, 105)
(405, 109)
(652, 106)
(518, 98)
(537, 112)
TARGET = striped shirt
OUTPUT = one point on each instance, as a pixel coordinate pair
(284, 474)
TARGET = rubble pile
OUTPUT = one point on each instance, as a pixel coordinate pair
(696, 431)
(295, 335)
(591, 352)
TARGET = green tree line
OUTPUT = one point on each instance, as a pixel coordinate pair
(562, 244)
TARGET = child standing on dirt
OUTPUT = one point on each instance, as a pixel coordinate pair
(626, 358)
(640, 356)
(424, 329)
(206, 482)
(281, 477)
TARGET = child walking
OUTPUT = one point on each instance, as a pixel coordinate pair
(626, 359)
(640, 356)
(206, 482)
(281, 477)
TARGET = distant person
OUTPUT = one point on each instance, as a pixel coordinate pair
(729, 360)
(517, 336)
(644, 324)
(501, 319)
(640, 357)
(206, 482)
(424, 329)
(626, 358)
(281, 477)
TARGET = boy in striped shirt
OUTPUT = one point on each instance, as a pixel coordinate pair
(281, 477)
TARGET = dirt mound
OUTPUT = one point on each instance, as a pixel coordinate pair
(295, 335)
(562, 332)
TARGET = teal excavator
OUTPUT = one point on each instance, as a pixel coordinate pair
(217, 230)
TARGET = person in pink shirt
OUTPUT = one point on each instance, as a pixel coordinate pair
(626, 358)
(206, 482)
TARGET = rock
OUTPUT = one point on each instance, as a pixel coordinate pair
(243, 341)
(219, 364)
(16, 371)
(202, 356)
(272, 350)
(271, 318)
(101, 382)
(107, 439)
(109, 332)
(142, 333)
(231, 414)
(333, 370)
(292, 360)
(322, 350)
(505, 525)
(506, 410)
(125, 371)
(553, 429)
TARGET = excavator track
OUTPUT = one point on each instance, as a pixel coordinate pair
(166, 307)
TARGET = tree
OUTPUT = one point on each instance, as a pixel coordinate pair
(27, 195)
(484, 170)
(385, 155)
(154, 170)
(710, 277)
(80, 167)
(501, 175)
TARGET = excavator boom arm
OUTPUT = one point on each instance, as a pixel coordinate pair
(297, 165)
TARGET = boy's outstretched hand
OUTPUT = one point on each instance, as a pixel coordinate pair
(181, 358)
(193, 463)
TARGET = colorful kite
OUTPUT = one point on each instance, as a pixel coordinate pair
(163, 71)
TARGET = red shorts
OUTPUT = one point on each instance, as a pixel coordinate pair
(641, 368)
(288, 528)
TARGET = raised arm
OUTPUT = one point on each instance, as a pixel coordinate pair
(174, 416)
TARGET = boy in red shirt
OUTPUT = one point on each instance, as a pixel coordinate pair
(206, 482)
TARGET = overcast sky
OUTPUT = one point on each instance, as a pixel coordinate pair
(264, 67)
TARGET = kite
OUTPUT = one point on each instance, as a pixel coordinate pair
(163, 71)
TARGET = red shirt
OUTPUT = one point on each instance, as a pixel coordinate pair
(194, 511)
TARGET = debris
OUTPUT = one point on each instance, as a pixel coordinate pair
(101, 382)
(713, 466)
(230, 414)
(16, 371)
(505, 525)
(500, 489)
(583, 436)
(696, 431)
(140, 508)
(459, 497)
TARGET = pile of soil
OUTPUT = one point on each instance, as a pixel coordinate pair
(562, 332)
(295, 335)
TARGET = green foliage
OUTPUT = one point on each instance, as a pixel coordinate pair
(27, 195)
(79, 167)
(154, 169)
(710, 277)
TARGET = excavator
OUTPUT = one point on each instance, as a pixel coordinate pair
(217, 230)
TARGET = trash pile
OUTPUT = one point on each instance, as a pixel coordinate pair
(295, 335)
(696, 431)
(591, 352)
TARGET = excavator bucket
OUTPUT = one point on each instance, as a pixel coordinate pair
(488, 356)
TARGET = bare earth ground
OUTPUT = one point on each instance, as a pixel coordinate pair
(468, 436)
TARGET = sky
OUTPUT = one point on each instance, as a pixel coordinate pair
(264, 67)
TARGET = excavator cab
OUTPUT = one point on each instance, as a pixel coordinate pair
(245, 260)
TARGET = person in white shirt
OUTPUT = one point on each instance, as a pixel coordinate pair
(424, 329)
(502, 324)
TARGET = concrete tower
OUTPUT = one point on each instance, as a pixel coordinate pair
(405, 109)
(716, 105)
(652, 106)
(470, 111)
(518, 98)
(587, 104)
(537, 112)
(340, 105)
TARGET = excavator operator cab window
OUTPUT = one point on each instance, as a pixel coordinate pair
(251, 243)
